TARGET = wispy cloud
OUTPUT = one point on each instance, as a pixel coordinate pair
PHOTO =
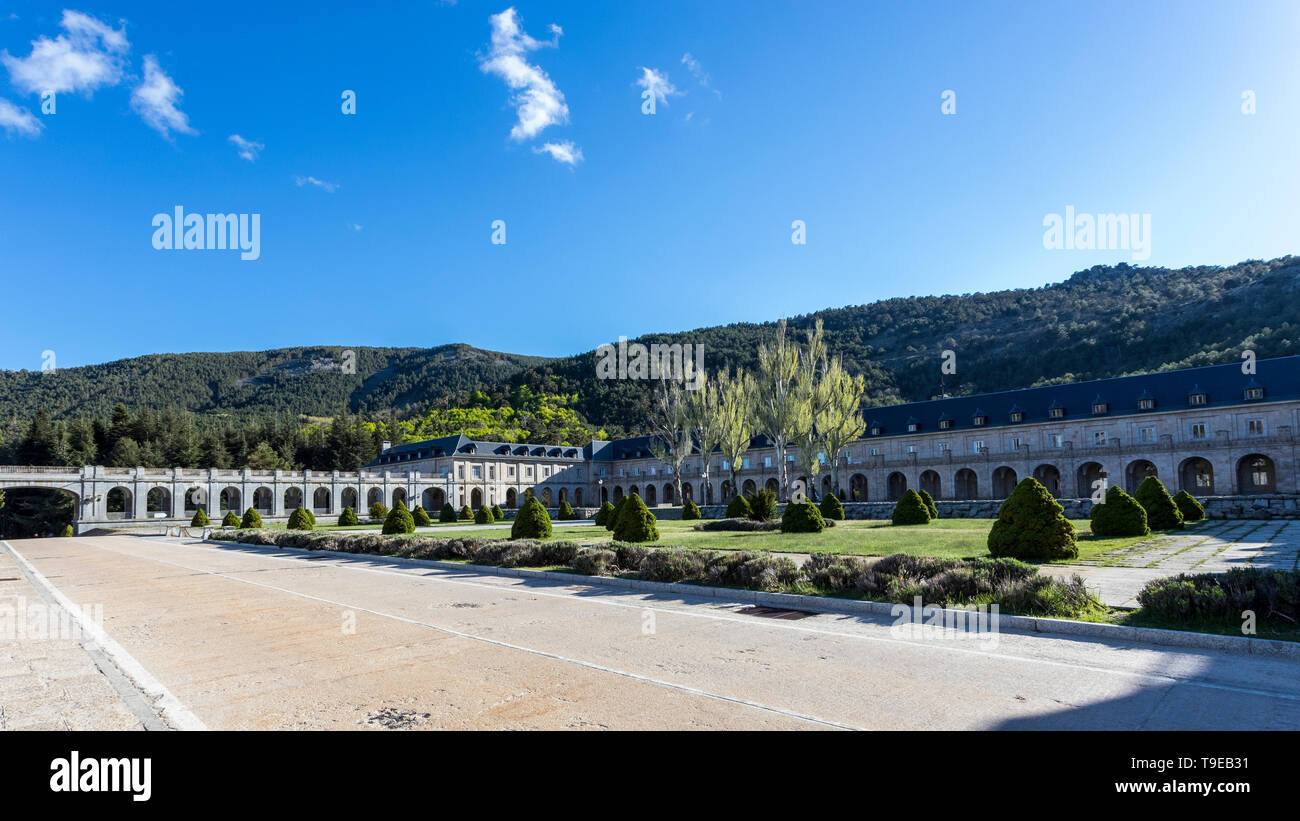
(87, 56)
(355, 227)
(658, 84)
(248, 149)
(537, 100)
(565, 152)
(697, 71)
(155, 100)
(328, 186)
(18, 120)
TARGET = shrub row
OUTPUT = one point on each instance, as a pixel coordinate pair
(1223, 598)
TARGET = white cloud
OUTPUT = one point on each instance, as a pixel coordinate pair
(537, 100)
(87, 56)
(698, 72)
(657, 83)
(248, 149)
(565, 152)
(155, 100)
(328, 186)
(20, 120)
(355, 227)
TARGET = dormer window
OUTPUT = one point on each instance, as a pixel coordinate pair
(978, 418)
(1098, 408)
(1254, 393)
(1056, 413)
(1017, 416)
(876, 428)
(945, 424)
(1197, 398)
(913, 427)
(1146, 404)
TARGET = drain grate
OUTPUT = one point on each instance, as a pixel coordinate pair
(775, 613)
(10, 579)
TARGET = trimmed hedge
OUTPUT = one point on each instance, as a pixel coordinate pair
(635, 523)
(348, 518)
(447, 514)
(465, 514)
(1192, 510)
(1119, 515)
(399, 520)
(498, 515)
(252, 519)
(231, 519)
(738, 507)
(690, 511)
(602, 515)
(298, 520)
(911, 510)
(802, 517)
(1162, 513)
(929, 503)
(533, 522)
(1032, 525)
(1273, 595)
(378, 511)
(762, 508)
(612, 518)
(742, 525)
(483, 516)
(421, 517)
(200, 519)
(831, 507)
(566, 513)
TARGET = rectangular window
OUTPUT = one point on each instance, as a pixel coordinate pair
(977, 445)
(940, 448)
(477, 472)
(460, 471)
(744, 463)
(1099, 437)
(1255, 427)
(911, 448)
(1054, 440)
(767, 461)
(875, 451)
(1014, 442)
(1147, 434)
(725, 466)
(1198, 430)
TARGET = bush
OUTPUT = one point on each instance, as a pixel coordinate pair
(612, 518)
(802, 517)
(67, 529)
(592, 561)
(738, 507)
(742, 525)
(929, 503)
(483, 516)
(465, 514)
(200, 519)
(533, 522)
(298, 520)
(690, 510)
(348, 518)
(1274, 596)
(399, 520)
(630, 556)
(378, 511)
(1162, 513)
(252, 519)
(498, 515)
(911, 510)
(762, 508)
(522, 552)
(231, 519)
(447, 514)
(421, 517)
(1119, 515)
(1032, 525)
(674, 564)
(602, 515)
(311, 517)
(1192, 510)
(635, 523)
(566, 513)
(831, 508)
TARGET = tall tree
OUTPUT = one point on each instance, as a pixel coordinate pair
(703, 406)
(41, 444)
(840, 421)
(781, 408)
(671, 425)
(736, 418)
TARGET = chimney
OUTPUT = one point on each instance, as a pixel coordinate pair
(385, 446)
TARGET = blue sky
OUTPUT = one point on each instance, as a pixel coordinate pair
(824, 112)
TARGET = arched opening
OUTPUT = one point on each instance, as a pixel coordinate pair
(708, 493)
(1091, 475)
(773, 486)
(512, 498)
(1050, 477)
(650, 495)
(930, 483)
(858, 487)
(1004, 481)
(30, 512)
(292, 499)
(399, 495)
(1256, 474)
(432, 499)
(159, 501)
(577, 497)
(897, 486)
(230, 500)
(687, 493)
(262, 500)
(320, 500)
(726, 490)
(826, 485)
(966, 484)
(604, 494)
(1136, 472)
(1196, 476)
(546, 496)
(349, 498)
(121, 504)
(476, 499)
(195, 498)
(375, 495)
(749, 488)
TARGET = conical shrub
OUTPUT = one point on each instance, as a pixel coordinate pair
(200, 519)
(930, 506)
(1032, 525)
(635, 522)
(420, 517)
(911, 510)
(1192, 510)
(483, 516)
(602, 515)
(1162, 512)
(447, 514)
(399, 520)
(498, 515)
(738, 507)
(231, 519)
(298, 520)
(532, 522)
(802, 517)
(1120, 515)
(762, 508)
(378, 512)
(465, 513)
(831, 508)
(612, 519)
(566, 511)
(690, 510)
(252, 519)
(348, 518)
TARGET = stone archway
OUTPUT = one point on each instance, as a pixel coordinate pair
(966, 484)
(1004, 481)
(1089, 475)
(320, 500)
(650, 495)
(159, 500)
(292, 499)
(230, 499)
(1136, 472)
(1196, 476)
(120, 503)
(1050, 477)
(476, 498)
(263, 501)
(1256, 473)
(858, 488)
(348, 498)
(512, 498)
(897, 486)
(931, 484)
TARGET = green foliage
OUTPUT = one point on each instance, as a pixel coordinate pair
(252, 519)
(911, 510)
(602, 515)
(930, 506)
(378, 511)
(483, 516)
(690, 510)
(566, 513)
(348, 518)
(635, 522)
(1162, 512)
(231, 519)
(399, 520)
(831, 507)
(498, 514)
(738, 507)
(1120, 515)
(1192, 510)
(420, 517)
(200, 519)
(447, 513)
(465, 514)
(612, 519)
(67, 529)
(298, 520)
(532, 521)
(802, 517)
(1273, 595)
(762, 508)
(592, 561)
(1031, 525)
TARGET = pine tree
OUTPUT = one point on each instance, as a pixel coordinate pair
(1031, 525)
(930, 506)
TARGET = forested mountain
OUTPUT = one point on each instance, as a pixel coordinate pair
(1105, 321)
